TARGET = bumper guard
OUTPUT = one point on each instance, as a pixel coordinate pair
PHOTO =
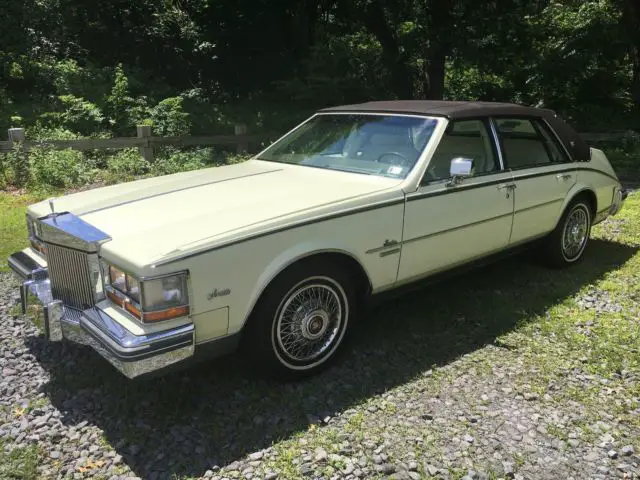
(133, 355)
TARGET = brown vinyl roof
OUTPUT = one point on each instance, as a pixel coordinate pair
(576, 146)
(443, 108)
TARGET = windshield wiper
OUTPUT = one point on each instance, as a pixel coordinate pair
(350, 170)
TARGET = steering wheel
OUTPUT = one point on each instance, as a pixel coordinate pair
(393, 158)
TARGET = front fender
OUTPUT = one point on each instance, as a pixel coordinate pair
(294, 254)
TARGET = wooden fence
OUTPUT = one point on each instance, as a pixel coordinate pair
(145, 142)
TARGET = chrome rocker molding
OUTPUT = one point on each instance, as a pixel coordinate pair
(133, 355)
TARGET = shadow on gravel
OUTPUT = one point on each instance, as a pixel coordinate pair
(215, 414)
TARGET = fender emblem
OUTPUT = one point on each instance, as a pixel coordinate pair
(223, 292)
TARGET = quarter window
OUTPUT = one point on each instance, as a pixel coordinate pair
(467, 139)
(528, 143)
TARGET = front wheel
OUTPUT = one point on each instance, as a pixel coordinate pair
(301, 320)
(567, 243)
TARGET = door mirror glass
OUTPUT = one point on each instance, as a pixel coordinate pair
(461, 167)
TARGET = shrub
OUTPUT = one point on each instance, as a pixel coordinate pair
(236, 158)
(80, 115)
(125, 165)
(14, 168)
(182, 161)
(60, 168)
(119, 102)
(169, 118)
(42, 132)
(630, 142)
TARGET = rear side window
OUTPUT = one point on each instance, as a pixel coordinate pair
(528, 143)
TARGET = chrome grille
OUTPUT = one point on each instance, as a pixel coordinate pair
(70, 276)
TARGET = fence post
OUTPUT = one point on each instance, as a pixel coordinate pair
(241, 129)
(17, 138)
(144, 131)
(16, 135)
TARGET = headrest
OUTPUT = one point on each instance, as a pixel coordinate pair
(388, 139)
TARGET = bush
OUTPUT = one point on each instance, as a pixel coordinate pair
(126, 165)
(42, 132)
(14, 169)
(169, 118)
(630, 142)
(182, 161)
(60, 168)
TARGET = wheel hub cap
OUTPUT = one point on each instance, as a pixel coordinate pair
(309, 322)
(575, 233)
(315, 324)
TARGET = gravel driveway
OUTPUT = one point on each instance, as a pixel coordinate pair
(455, 396)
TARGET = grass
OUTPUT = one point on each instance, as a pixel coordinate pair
(13, 230)
(19, 463)
(511, 313)
(626, 164)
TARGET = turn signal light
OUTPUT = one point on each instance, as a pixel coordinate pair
(115, 299)
(166, 314)
(131, 308)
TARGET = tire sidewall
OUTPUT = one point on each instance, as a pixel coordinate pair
(578, 205)
(344, 324)
(258, 338)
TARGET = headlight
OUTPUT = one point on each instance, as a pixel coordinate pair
(150, 300)
(118, 279)
(37, 245)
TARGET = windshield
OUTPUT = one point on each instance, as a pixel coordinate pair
(382, 145)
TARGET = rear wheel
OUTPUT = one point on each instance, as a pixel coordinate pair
(567, 243)
(301, 320)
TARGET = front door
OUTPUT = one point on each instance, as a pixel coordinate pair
(542, 174)
(447, 225)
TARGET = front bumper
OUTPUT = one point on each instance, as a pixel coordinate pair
(133, 355)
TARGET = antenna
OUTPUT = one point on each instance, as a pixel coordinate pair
(51, 206)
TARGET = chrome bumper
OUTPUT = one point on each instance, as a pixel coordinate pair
(133, 355)
(619, 196)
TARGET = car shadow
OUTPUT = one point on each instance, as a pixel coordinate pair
(216, 413)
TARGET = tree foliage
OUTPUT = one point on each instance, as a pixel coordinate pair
(102, 66)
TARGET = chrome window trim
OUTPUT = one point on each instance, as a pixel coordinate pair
(496, 141)
(381, 113)
(558, 140)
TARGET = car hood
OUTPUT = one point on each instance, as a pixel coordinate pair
(153, 219)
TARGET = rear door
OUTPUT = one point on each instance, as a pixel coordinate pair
(542, 173)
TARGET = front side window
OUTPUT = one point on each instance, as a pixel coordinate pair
(467, 139)
(381, 145)
(528, 143)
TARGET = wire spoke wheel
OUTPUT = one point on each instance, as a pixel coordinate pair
(310, 323)
(575, 234)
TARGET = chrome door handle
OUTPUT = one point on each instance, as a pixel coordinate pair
(509, 187)
(563, 176)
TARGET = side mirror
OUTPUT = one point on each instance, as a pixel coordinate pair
(460, 169)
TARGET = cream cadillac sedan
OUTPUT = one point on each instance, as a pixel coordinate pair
(277, 254)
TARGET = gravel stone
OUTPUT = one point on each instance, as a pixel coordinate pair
(475, 412)
(321, 455)
(627, 450)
